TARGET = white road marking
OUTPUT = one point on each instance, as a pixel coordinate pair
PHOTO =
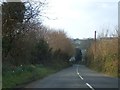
(90, 86)
(83, 79)
(80, 76)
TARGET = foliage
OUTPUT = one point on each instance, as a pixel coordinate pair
(58, 41)
(41, 53)
(105, 57)
(26, 42)
(12, 14)
(25, 74)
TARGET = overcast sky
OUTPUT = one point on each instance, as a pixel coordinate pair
(80, 18)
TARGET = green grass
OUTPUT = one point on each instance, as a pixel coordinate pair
(12, 79)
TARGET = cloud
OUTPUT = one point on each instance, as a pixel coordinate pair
(81, 17)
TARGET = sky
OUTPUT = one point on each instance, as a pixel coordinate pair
(80, 18)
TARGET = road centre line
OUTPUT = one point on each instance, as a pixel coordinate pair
(90, 86)
(79, 74)
(83, 79)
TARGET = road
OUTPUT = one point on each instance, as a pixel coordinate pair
(77, 76)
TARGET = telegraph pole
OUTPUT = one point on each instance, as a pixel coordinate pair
(95, 45)
(95, 41)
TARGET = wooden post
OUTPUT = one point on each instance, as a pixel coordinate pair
(95, 41)
(95, 46)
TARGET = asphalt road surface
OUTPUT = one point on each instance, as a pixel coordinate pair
(77, 76)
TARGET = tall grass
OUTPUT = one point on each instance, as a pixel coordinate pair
(105, 57)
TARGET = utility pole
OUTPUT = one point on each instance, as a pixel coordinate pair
(95, 41)
(95, 45)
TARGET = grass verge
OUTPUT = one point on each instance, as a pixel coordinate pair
(25, 74)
